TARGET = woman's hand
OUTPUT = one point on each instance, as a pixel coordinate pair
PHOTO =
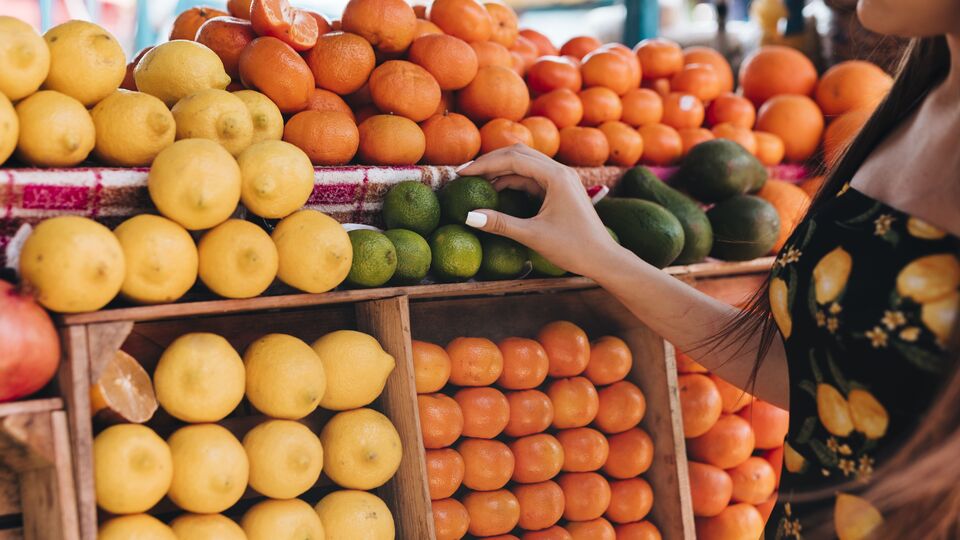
(567, 231)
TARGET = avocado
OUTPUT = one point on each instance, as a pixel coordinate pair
(639, 182)
(744, 227)
(645, 228)
(718, 169)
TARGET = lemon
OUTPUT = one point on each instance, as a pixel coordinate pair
(199, 378)
(285, 378)
(195, 182)
(161, 259)
(780, 306)
(86, 61)
(355, 515)
(285, 458)
(209, 468)
(362, 449)
(315, 251)
(834, 411)
(135, 527)
(277, 178)
(9, 128)
(176, 69)
(939, 316)
(55, 130)
(929, 278)
(237, 259)
(869, 416)
(206, 527)
(265, 115)
(830, 275)
(919, 228)
(132, 128)
(855, 518)
(357, 368)
(24, 59)
(73, 263)
(217, 115)
(290, 519)
(132, 468)
(792, 460)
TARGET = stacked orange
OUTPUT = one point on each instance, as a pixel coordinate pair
(534, 439)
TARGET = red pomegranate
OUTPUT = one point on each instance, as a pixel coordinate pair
(29, 345)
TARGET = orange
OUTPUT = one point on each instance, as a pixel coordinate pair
(447, 104)
(567, 346)
(850, 85)
(562, 106)
(685, 364)
(631, 454)
(775, 458)
(187, 23)
(553, 533)
(632, 61)
(538, 458)
(546, 136)
(450, 60)
(583, 147)
(488, 464)
(699, 80)
(541, 505)
(610, 361)
(326, 101)
(328, 138)
(731, 108)
(527, 50)
(710, 57)
(387, 24)
(662, 144)
(485, 412)
(490, 53)
(544, 46)
(841, 132)
(630, 500)
(587, 495)
(386, 139)
(753, 481)
(660, 86)
(584, 449)
(733, 398)
(609, 69)
(595, 529)
(496, 92)
(728, 443)
(500, 132)
(465, 19)
(770, 149)
(773, 70)
(622, 406)
(641, 530)
(239, 8)
(525, 363)
(710, 488)
(791, 203)
(492, 512)
(278, 19)
(431, 367)
(420, 10)
(445, 470)
(700, 404)
(272, 67)
(227, 36)
(452, 139)
(341, 62)
(766, 507)
(796, 120)
(425, 28)
(682, 111)
(323, 23)
(575, 402)
(504, 20)
(694, 136)
(811, 186)
(366, 111)
(641, 106)
(736, 521)
(580, 46)
(531, 411)
(441, 420)
(553, 72)
(769, 422)
(474, 361)
(659, 58)
(450, 519)
(625, 143)
(406, 89)
(600, 105)
(742, 136)
(335, 25)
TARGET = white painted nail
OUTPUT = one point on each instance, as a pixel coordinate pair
(599, 195)
(464, 166)
(476, 219)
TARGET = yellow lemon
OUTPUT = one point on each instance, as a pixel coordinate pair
(86, 61)
(135, 527)
(195, 182)
(869, 416)
(161, 259)
(834, 411)
(315, 251)
(206, 527)
(265, 115)
(290, 519)
(132, 468)
(9, 128)
(199, 378)
(362, 449)
(277, 178)
(175, 69)
(830, 275)
(237, 259)
(285, 458)
(792, 460)
(74, 264)
(132, 128)
(355, 515)
(854, 517)
(779, 305)
(929, 278)
(285, 378)
(24, 59)
(919, 228)
(210, 468)
(55, 130)
(939, 316)
(357, 368)
(217, 115)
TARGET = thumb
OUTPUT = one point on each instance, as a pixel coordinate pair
(495, 222)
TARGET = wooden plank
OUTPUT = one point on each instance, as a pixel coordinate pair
(11, 534)
(66, 488)
(103, 342)
(74, 379)
(9, 492)
(30, 406)
(26, 441)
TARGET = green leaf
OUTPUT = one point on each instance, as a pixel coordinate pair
(921, 358)
(895, 298)
(837, 375)
(811, 227)
(893, 237)
(791, 287)
(828, 458)
(868, 445)
(864, 217)
(806, 430)
(812, 299)
(817, 374)
(809, 388)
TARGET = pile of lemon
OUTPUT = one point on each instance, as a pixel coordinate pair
(204, 469)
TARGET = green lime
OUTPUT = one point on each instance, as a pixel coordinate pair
(413, 256)
(502, 258)
(374, 258)
(613, 235)
(465, 194)
(411, 205)
(519, 203)
(544, 267)
(457, 253)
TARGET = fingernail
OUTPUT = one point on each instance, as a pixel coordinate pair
(464, 166)
(476, 219)
(599, 195)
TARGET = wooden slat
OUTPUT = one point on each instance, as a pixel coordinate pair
(11, 534)
(63, 468)
(31, 406)
(9, 492)
(26, 441)
(74, 379)
(103, 342)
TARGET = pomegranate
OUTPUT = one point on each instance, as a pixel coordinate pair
(29, 345)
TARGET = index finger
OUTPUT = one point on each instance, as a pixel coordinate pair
(513, 161)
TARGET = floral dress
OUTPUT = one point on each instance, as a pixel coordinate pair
(865, 297)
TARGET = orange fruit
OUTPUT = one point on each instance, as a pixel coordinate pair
(682, 111)
(500, 133)
(465, 19)
(753, 481)
(562, 106)
(609, 69)
(239, 8)
(450, 519)
(335, 25)
(227, 36)
(769, 422)
(567, 347)
(492, 512)
(735, 521)
(187, 23)
(636, 71)
(553, 72)
(775, 458)
(742, 136)
(727, 444)
(489, 464)
(710, 57)
(538, 458)
(485, 411)
(766, 507)
(531, 411)
(791, 203)
(700, 404)
(425, 28)
(387, 24)
(811, 186)
(323, 23)
(595, 529)
(583, 147)
(431, 367)
(365, 112)
(341, 62)
(685, 364)
(610, 361)
(575, 402)
(600, 105)
(691, 137)
(660, 86)
(406, 89)
(445, 470)
(580, 46)
(527, 50)
(504, 20)
(328, 138)
(490, 53)
(441, 420)
(496, 92)
(710, 488)
(386, 139)
(525, 363)
(553, 533)
(641, 530)
(278, 19)
(451, 61)
(544, 46)
(850, 85)
(451, 139)
(659, 57)
(770, 148)
(733, 109)
(641, 106)
(796, 120)
(546, 136)
(584, 449)
(773, 70)
(630, 500)
(474, 361)
(541, 504)
(420, 10)
(586, 494)
(699, 80)
(272, 67)
(447, 104)
(622, 406)
(631, 454)
(624, 142)
(326, 101)
(733, 398)
(662, 144)
(841, 132)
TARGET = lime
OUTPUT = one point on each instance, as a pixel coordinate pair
(413, 206)
(613, 235)
(518, 203)
(457, 253)
(374, 258)
(413, 256)
(465, 194)
(502, 258)
(544, 267)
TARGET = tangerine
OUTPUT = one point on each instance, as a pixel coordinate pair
(490, 53)
(550, 73)
(328, 138)
(587, 495)
(441, 420)
(727, 444)
(769, 422)
(386, 139)
(731, 108)
(685, 364)
(488, 464)
(791, 203)
(406, 89)
(527, 50)
(485, 411)
(451, 61)
(239, 8)
(611, 70)
(575, 402)
(694, 136)
(342, 62)
(610, 361)
(227, 36)
(491, 512)
(496, 92)
(600, 105)
(276, 70)
(796, 120)
(541, 504)
(562, 106)
(525, 363)
(544, 46)
(774, 70)
(567, 347)
(431, 367)
(753, 481)
(474, 361)
(425, 28)
(388, 25)
(630, 500)
(451, 139)
(641, 530)
(580, 46)
(631, 454)
(450, 519)
(445, 470)
(188, 22)
(504, 20)
(277, 18)
(500, 133)
(710, 488)
(622, 406)
(708, 56)
(733, 398)
(841, 132)
(465, 19)
(546, 136)
(531, 411)
(682, 111)
(641, 106)
(662, 144)
(742, 136)
(770, 149)
(700, 404)
(851, 85)
(584, 449)
(624, 143)
(659, 57)
(735, 521)
(538, 458)
(595, 529)
(325, 100)
(700, 80)
(553, 533)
